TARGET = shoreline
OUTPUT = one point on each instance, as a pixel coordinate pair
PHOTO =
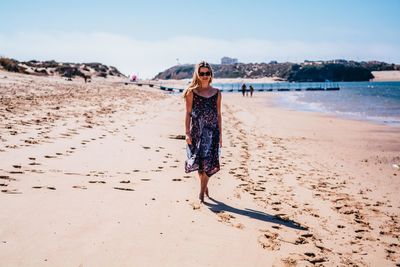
(379, 76)
(383, 121)
(305, 107)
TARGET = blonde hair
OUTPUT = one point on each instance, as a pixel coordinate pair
(196, 81)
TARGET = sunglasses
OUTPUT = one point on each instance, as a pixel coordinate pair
(201, 74)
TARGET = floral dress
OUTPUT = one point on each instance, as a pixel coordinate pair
(203, 153)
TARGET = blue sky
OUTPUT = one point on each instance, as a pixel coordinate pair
(146, 37)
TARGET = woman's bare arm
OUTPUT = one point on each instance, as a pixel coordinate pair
(189, 104)
(219, 117)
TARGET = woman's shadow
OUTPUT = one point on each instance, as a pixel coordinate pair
(254, 214)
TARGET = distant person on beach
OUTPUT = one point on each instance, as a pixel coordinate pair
(203, 126)
(244, 89)
(251, 90)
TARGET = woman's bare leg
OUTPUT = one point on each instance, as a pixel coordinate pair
(206, 178)
(201, 195)
(203, 185)
(204, 188)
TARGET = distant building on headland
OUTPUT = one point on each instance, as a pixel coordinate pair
(313, 63)
(321, 62)
(228, 61)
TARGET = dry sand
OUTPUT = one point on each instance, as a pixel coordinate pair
(92, 175)
(387, 75)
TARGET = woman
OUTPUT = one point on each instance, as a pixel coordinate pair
(203, 126)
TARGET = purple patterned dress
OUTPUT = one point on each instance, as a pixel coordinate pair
(203, 153)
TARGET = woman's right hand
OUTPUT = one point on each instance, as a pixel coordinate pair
(188, 139)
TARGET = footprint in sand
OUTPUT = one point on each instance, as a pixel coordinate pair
(124, 189)
(145, 179)
(178, 137)
(65, 135)
(195, 206)
(6, 177)
(225, 217)
(259, 188)
(290, 261)
(73, 173)
(97, 182)
(16, 172)
(239, 226)
(31, 141)
(237, 195)
(177, 179)
(125, 182)
(79, 187)
(48, 187)
(11, 191)
(269, 240)
(313, 259)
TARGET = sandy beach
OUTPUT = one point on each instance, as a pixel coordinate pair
(386, 76)
(92, 175)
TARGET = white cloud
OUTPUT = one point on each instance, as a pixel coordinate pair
(147, 58)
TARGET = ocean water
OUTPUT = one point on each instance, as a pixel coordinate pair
(377, 102)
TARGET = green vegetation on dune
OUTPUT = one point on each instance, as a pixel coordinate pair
(63, 69)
